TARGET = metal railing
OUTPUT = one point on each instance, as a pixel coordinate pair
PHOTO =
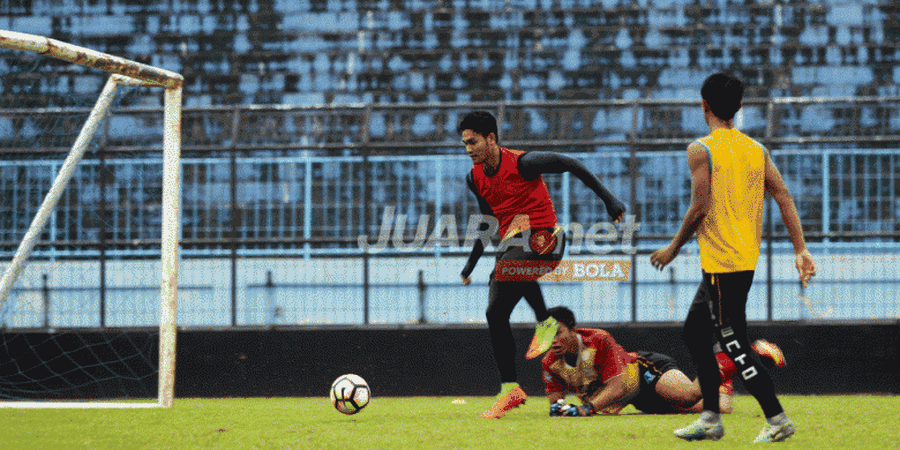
(293, 188)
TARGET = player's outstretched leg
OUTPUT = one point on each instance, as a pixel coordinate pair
(544, 333)
(777, 429)
(511, 396)
(708, 427)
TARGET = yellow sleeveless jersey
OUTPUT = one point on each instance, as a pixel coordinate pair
(729, 236)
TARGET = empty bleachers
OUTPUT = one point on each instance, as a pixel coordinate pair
(356, 51)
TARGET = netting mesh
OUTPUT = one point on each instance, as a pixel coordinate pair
(77, 365)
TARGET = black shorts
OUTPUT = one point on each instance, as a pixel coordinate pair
(652, 367)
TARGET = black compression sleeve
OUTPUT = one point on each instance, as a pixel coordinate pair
(533, 164)
(478, 248)
(477, 251)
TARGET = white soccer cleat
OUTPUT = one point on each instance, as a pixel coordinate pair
(776, 433)
(701, 430)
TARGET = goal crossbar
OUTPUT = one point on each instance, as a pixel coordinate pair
(123, 72)
(86, 57)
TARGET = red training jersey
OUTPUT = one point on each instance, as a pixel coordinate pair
(509, 195)
(600, 358)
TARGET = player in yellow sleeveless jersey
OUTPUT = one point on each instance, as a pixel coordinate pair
(730, 173)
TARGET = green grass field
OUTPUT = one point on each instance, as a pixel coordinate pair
(867, 422)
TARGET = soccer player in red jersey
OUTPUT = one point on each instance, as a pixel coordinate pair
(508, 186)
(590, 364)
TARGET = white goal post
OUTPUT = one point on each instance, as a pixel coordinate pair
(122, 71)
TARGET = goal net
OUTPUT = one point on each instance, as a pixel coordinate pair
(89, 226)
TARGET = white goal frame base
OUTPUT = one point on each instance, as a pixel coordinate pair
(79, 405)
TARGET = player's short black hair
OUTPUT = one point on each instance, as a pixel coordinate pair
(723, 94)
(563, 315)
(481, 122)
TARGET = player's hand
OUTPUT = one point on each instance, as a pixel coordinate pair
(806, 267)
(616, 210)
(586, 410)
(569, 410)
(556, 408)
(561, 409)
(662, 257)
(466, 280)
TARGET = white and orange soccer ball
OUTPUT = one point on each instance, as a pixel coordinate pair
(350, 393)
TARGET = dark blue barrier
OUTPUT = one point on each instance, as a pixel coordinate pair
(414, 361)
(426, 361)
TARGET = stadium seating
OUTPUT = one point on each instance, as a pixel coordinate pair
(288, 179)
(352, 51)
(415, 52)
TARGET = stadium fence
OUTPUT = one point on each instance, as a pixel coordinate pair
(275, 199)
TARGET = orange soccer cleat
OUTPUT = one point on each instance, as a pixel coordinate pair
(769, 350)
(504, 403)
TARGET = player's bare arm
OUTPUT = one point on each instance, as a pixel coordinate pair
(533, 164)
(612, 395)
(698, 162)
(775, 186)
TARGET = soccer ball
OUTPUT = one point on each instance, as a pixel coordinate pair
(350, 393)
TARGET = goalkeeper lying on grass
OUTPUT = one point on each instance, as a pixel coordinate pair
(592, 365)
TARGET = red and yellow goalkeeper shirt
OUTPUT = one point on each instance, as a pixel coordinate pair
(509, 194)
(600, 358)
